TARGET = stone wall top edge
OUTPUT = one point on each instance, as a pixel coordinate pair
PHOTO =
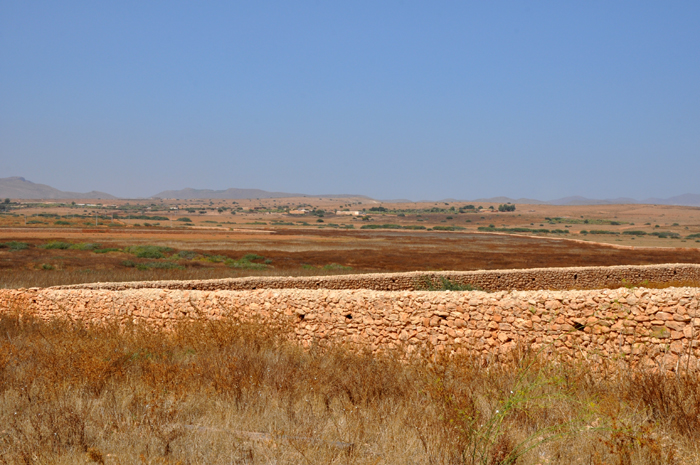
(367, 293)
(372, 276)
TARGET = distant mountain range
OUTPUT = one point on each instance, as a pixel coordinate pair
(20, 188)
(691, 200)
(239, 194)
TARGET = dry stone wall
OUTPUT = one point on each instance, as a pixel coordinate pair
(647, 327)
(490, 280)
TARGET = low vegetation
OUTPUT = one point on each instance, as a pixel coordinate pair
(444, 284)
(222, 392)
(492, 228)
(14, 246)
(392, 226)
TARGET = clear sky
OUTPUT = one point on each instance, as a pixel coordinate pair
(391, 99)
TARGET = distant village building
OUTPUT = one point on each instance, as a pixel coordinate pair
(349, 213)
(298, 212)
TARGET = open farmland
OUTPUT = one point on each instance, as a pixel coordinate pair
(52, 256)
(637, 225)
(201, 239)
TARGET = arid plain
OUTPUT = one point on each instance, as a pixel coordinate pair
(89, 241)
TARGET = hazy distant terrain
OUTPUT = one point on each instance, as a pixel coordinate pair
(691, 200)
(19, 188)
(238, 194)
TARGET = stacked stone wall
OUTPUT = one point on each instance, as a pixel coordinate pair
(489, 280)
(647, 327)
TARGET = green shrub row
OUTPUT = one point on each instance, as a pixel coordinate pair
(523, 230)
(382, 226)
(600, 231)
(148, 251)
(14, 245)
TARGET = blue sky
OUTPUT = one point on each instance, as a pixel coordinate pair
(391, 99)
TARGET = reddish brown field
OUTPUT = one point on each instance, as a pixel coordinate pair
(299, 252)
(306, 236)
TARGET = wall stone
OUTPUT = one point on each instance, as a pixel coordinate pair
(489, 280)
(638, 327)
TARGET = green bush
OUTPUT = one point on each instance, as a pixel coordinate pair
(185, 255)
(634, 233)
(55, 245)
(62, 223)
(506, 208)
(145, 217)
(84, 246)
(491, 228)
(382, 226)
(185, 219)
(245, 265)
(666, 234)
(148, 251)
(15, 246)
(107, 250)
(216, 258)
(246, 262)
(159, 266)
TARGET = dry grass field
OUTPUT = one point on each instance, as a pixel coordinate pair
(219, 392)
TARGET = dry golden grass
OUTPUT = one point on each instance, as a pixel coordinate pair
(223, 392)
